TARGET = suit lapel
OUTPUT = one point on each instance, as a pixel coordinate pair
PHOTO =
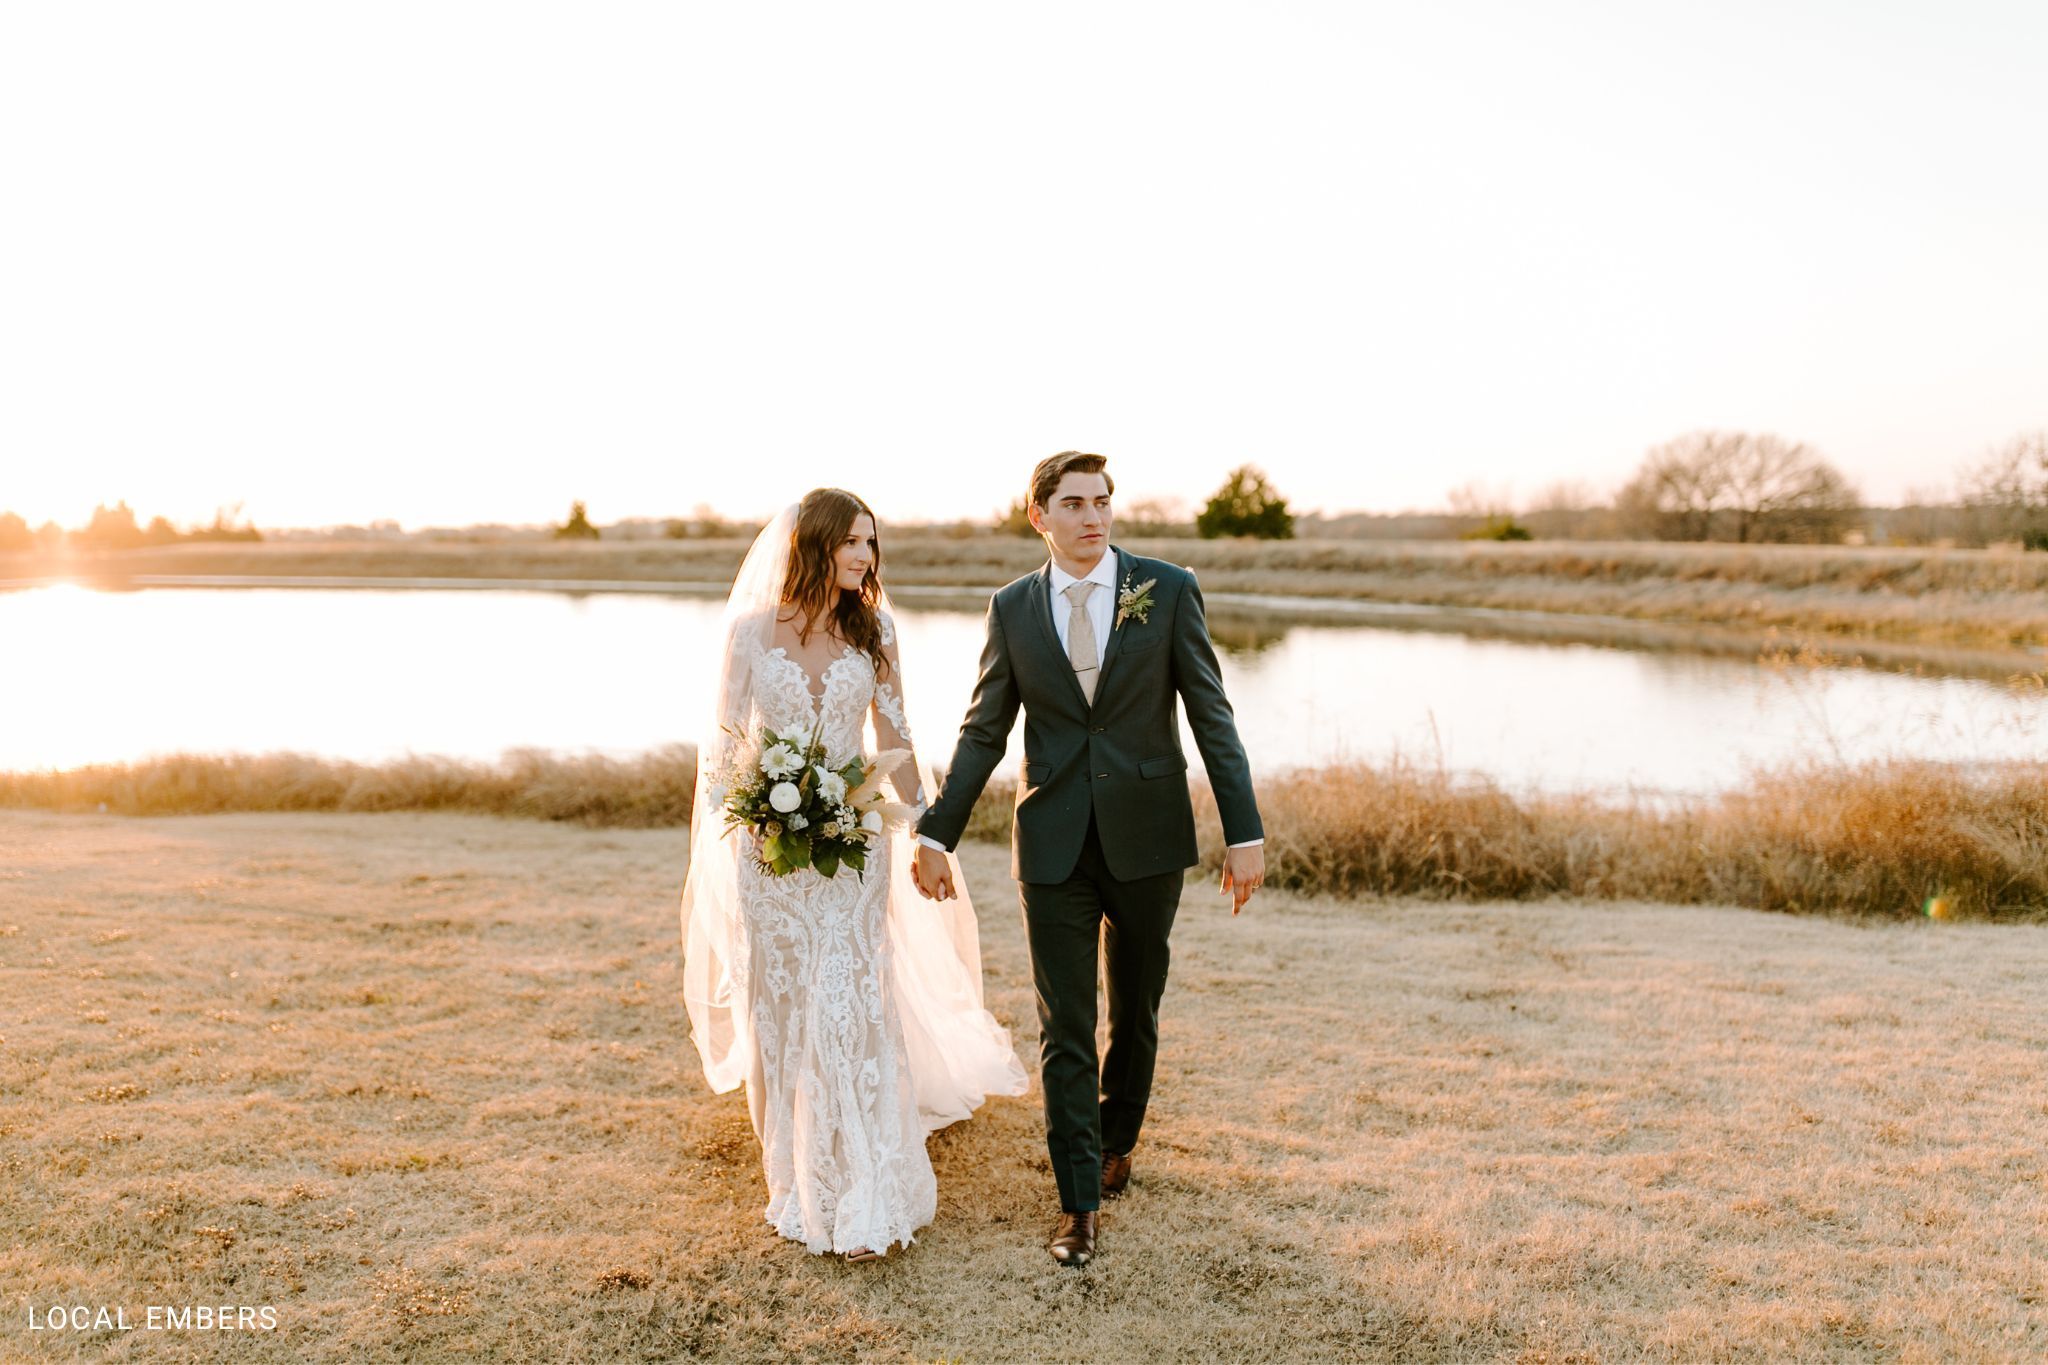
(1115, 636)
(1049, 637)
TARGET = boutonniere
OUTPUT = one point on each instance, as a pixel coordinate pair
(1134, 601)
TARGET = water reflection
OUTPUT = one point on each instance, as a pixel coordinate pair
(1244, 635)
(369, 674)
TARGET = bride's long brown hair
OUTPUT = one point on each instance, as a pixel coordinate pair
(822, 520)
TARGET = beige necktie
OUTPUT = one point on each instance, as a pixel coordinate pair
(1081, 638)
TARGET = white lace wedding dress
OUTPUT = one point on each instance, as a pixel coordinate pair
(850, 1007)
(828, 1083)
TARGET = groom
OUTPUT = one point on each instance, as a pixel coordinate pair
(1094, 647)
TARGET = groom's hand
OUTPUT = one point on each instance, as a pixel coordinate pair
(933, 874)
(1243, 871)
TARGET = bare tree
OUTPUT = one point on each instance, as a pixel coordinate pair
(2005, 495)
(1711, 485)
(1784, 490)
(1679, 487)
(1474, 500)
(1156, 517)
(1566, 509)
(1924, 516)
(1563, 495)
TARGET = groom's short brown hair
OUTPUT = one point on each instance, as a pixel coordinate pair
(1045, 480)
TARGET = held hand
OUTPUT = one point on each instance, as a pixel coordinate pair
(933, 873)
(1244, 870)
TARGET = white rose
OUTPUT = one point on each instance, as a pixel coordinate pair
(780, 761)
(784, 797)
(872, 821)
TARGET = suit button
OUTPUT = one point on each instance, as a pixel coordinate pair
(1102, 774)
(1099, 729)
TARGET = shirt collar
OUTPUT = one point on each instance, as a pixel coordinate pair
(1104, 573)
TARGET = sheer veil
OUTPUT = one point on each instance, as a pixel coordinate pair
(958, 1054)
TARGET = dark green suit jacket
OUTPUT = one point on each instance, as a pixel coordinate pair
(1120, 757)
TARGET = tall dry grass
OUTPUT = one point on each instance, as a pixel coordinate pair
(1890, 839)
(1949, 597)
(1886, 839)
(651, 790)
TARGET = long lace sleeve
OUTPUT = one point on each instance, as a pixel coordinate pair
(892, 730)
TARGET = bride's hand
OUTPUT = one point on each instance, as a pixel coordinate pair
(933, 874)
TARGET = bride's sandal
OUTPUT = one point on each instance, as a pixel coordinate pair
(864, 1254)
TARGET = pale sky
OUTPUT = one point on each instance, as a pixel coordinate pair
(457, 262)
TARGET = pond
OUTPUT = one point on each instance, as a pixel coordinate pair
(375, 673)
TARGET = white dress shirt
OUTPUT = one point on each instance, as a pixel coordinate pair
(1101, 602)
(1101, 610)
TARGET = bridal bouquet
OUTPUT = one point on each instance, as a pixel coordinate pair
(806, 814)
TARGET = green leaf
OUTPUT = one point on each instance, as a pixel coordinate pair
(797, 849)
(826, 863)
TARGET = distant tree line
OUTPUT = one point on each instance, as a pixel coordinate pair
(702, 524)
(1740, 487)
(1734, 486)
(1246, 505)
(115, 528)
(1751, 488)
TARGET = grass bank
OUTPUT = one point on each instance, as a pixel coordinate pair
(1963, 598)
(422, 1084)
(653, 790)
(1887, 839)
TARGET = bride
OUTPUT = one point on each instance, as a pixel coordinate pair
(849, 1006)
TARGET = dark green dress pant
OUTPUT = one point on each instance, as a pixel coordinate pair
(1089, 1110)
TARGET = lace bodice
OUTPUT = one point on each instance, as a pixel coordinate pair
(782, 698)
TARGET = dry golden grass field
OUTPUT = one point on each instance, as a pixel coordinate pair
(1954, 598)
(420, 1082)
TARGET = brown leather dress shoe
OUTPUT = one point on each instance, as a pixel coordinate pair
(1073, 1238)
(1116, 1173)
